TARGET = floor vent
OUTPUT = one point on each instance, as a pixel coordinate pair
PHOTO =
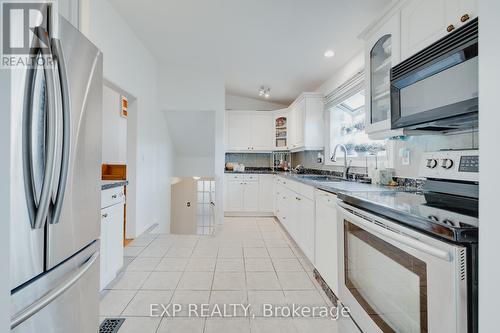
(111, 325)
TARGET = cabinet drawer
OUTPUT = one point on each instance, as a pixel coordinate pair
(239, 177)
(112, 196)
(302, 189)
(251, 177)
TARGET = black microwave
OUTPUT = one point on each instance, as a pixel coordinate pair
(437, 88)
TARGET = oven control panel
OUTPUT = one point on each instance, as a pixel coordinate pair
(451, 165)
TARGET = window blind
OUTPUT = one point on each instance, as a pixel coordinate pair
(345, 90)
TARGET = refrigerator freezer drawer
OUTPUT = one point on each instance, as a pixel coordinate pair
(74, 309)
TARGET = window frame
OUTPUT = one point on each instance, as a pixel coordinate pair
(355, 161)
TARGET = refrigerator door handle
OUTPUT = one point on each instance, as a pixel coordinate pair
(57, 51)
(50, 165)
(53, 294)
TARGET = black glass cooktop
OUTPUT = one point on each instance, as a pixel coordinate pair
(445, 216)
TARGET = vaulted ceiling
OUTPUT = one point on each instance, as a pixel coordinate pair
(276, 43)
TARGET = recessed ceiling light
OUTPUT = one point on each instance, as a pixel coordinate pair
(329, 53)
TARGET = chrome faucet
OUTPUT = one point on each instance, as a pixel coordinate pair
(334, 159)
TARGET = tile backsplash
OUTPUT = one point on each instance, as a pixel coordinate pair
(416, 145)
(253, 160)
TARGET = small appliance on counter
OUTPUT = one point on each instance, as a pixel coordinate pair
(424, 242)
(299, 169)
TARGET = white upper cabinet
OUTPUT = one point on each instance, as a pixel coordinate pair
(261, 126)
(425, 21)
(382, 52)
(249, 131)
(306, 122)
(238, 131)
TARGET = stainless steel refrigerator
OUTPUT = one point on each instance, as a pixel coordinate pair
(55, 187)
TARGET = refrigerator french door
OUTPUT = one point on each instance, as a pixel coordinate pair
(394, 279)
(55, 186)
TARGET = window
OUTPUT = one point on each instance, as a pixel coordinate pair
(346, 112)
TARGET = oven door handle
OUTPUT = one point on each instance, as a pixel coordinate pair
(413, 243)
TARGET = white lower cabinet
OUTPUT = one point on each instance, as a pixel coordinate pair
(247, 193)
(111, 242)
(266, 193)
(327, 260)
(305, 226)
(251, 196)
(234, 195)
(296, 213)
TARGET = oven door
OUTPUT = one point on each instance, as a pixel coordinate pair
(394, 279)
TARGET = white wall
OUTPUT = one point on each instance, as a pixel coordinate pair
(234, 102)
(193, 138)
(190, 83)
(489, 120)
(114, 128)
(130, 66)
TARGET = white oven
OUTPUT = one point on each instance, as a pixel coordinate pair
(395, 279)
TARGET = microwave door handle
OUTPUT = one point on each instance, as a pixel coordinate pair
(66, 108)
(48, 178)
(413, 243)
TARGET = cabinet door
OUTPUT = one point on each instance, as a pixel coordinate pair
(305, 226)
(251, 196)
(261, 131)
(422, 23)
(292, 130)
(238, 131)
(327, 260)
(266, 193)
(115, 239)
(299, 119)
(383, 52)
(234, 196)
(104, 278)
(462, 11)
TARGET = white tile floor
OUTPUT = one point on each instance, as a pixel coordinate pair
(249, 261)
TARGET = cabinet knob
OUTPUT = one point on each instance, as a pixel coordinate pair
(450, 28)
(114, 196)
(104, 215)
(465, 18)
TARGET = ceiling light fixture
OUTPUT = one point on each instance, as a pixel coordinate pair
(329, 53)
(264, 92)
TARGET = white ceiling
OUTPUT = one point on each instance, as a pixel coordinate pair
(277, 43)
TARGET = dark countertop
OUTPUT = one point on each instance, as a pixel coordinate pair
(335, 186)
(264, 171)
(107, 184)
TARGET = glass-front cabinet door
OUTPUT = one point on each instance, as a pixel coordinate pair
(382, 51)
(281, 132)
(380, 70)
